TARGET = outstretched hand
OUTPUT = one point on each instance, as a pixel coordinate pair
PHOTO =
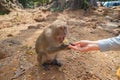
(84, 46)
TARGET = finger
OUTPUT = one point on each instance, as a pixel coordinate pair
(82, 42)
(75, 43)
(84, 49)
(73, 47)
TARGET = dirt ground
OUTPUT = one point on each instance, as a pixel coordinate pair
(20, 29)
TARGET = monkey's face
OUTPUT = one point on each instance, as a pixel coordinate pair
(61, 33)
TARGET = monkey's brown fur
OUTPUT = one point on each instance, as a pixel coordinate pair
(49, 42)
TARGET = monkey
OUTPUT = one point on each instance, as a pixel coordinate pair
(50, 42)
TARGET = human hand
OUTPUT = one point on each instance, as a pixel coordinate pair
(84, 46)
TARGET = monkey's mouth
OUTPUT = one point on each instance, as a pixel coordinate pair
(61, 39)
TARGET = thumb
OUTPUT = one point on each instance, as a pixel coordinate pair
(73, 47)
(84, 49)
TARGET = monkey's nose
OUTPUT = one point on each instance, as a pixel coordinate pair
(61, 39)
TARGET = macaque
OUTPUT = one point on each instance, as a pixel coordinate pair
(49, 43)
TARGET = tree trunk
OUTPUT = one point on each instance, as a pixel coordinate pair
(92, 2)
(76, 4)
(4, 6)
(73, 4)
(22, 3)
(8, 6)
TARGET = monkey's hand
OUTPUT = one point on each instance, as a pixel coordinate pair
(59, 48)
(55, 49)
(64, 46)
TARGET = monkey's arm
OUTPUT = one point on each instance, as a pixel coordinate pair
(55, 49)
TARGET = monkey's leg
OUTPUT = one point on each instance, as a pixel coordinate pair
(56, 49)
(42, 60)
(45, 66)
(45, 62)
(56, 62)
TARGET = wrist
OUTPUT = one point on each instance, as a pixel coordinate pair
(94, 46)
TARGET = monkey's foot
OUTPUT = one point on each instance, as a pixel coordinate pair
(45, 66)
(56, 62)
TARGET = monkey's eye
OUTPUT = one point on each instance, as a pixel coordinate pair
(61, 28)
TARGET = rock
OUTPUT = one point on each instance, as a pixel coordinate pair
(41, 19)
(9, 35)
(115, 20)
(100, 10)
(74, 22)
(110, 25)
(108, 18)
(44, 9)
(33, 27)
(37, 26)
(2, 55)
(114, 7)
(4, 51)
(11, 42)
(8, 47)
(116, 31)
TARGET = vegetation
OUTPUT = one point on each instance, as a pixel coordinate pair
(7, 5)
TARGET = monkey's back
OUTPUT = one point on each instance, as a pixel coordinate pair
(40, 44)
